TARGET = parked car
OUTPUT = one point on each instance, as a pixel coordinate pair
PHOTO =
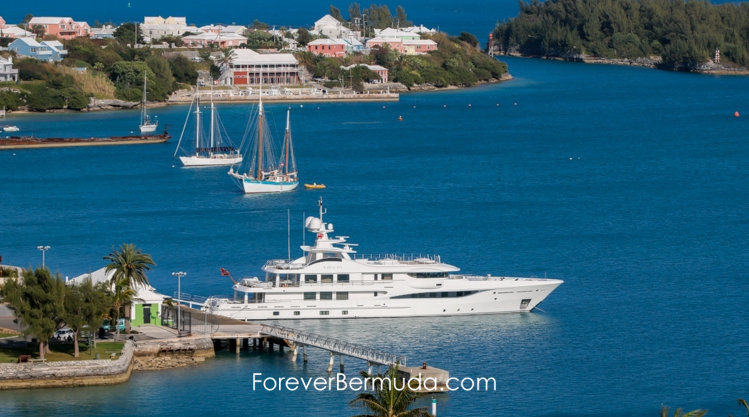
(64, 335)
(107, 325)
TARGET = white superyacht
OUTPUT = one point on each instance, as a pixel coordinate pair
(330, 281)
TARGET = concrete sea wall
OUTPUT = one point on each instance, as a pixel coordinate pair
(172, 353)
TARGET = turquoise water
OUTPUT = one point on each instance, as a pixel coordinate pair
(629, 184)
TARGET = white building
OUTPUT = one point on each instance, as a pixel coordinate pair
(104, 32)
(221, 39)
(156, 27)
(14, 32)
(7, 72)
(245, 67)
(333, 28)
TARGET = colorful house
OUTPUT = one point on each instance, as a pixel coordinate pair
(419, 46)
(146, 306)
(328, 47)
(14, 32)
(245, 67)
(60, 27)
(43, 51)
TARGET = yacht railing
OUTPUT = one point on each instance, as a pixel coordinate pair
(405, 258)
(334, 345)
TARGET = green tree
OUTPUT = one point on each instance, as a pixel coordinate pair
(336, 13)
(125, 34)
(401, 20)
(129, 265)
(258, 25)
(183, 70)
(680, 413)
(469, 38)
(387, 400)
(85, 306)
(303, 37)
(38, 301)
(38, 31)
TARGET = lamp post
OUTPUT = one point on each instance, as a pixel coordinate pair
(179, 276)
(44, 249)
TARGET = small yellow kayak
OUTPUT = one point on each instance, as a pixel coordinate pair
(314, 186)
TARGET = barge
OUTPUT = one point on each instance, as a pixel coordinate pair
(25, 142)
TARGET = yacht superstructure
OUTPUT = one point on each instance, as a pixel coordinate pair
(331, 281)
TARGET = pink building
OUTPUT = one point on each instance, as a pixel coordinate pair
(378, 69)
(328, 47)
(419, 46)
(394, 43)
(61, 27)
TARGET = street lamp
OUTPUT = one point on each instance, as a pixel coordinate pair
(179, 276)
(44, 249)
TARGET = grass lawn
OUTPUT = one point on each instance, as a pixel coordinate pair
(4, 335)
(63, 352)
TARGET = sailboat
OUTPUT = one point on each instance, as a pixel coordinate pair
(212, 150)
(267, 174)
(146, 125)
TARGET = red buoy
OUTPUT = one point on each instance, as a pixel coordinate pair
(736, 114)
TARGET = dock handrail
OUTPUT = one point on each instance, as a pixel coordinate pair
(334, 345)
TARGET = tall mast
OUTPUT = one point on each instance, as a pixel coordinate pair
(212, 116)
(260, 131)
(143, 101)
(197, 119)
(287, 143)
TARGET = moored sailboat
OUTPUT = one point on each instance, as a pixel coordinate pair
(266, 174)
(213, 149)
(146, 125)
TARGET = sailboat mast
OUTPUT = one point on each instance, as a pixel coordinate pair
(197, 119)
(212, 116)
(260, 131)
(287, 143)
(143, 100)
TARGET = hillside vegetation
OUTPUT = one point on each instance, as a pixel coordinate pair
(683, 34)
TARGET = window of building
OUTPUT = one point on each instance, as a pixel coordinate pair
(326, 295)
(341, 296)
(310, 296)
(343, 278)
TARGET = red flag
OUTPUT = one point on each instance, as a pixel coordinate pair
(225, 273)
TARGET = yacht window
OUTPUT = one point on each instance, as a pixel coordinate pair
(387, 277)
(344, 312)
(343, 278)
(326, 295)
(375, 293)
(326, 279)
(324, 313)
(341, 296)
(310, 278)
(296, 313)
(524, 303)
(275, 313)
(428, 275)
(451, 294)
(310, 296)
(432, 294)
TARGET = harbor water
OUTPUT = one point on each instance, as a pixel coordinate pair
(630, 184)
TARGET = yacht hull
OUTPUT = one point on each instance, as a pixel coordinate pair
(253, 186)
(209, 161)
(148, 128)
(511, 295)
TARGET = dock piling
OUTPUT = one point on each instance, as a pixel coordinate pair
(332, 360)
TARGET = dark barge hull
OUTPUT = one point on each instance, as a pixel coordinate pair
(25, 142)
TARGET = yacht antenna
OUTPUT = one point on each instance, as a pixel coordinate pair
(322, 211)
(303, 232)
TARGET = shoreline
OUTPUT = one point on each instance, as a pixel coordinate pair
(634, 62)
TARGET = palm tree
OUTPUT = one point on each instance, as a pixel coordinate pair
(129, 265)
(680, 413)
(388, 400)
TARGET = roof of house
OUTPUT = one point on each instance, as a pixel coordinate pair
(31, 42)
(327, 20)
(395, 33)
(384, 40)
(145, 293)
(6, 61)
(48, 20)
(326, 41)
(16, 31)
(248, 56)
(210, 36)
(419, 42)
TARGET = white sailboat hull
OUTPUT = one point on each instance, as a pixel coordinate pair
(148, 128)
(210, 161)
(251, 185)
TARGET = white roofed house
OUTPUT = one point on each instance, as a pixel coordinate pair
(14, 32)
(7, 72)
(146, 306)
(333, 28)
(156, 27)
(221, 39)
(245, 66)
